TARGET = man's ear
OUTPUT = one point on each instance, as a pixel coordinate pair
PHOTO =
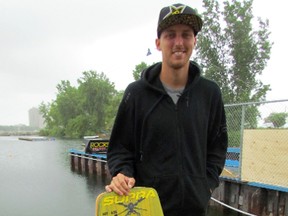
(195, 41)
(157, 43)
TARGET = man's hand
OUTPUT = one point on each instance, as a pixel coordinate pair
(120, 184)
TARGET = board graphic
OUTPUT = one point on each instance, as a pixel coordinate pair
(141, 201)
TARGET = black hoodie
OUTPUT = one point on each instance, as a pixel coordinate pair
(178, 149)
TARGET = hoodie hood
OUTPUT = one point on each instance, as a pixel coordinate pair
(151, 75)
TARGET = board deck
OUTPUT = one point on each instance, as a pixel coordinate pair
(141, 201)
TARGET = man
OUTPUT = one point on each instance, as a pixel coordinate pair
(170, 130)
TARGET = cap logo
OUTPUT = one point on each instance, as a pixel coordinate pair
(175, 10)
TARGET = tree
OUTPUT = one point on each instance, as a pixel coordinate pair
(58, 113)
(67, 103)
(83, 110)
(234, 54)
(138, 70)
(96, 91)
(278, 119)
(231, 52)
(111, 109)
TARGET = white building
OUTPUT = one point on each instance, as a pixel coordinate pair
(35, 118)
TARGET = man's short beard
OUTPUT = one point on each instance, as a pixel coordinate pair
(176, 66)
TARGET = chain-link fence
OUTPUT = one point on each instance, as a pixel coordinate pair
(258, 142)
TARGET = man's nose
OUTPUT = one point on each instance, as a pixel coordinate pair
(178, 40)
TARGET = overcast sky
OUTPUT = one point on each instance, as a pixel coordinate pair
(44, 42)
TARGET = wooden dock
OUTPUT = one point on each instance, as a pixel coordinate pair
(255, 196)
(36, 138)
(89, 163)
(251, 197)
(255, 199)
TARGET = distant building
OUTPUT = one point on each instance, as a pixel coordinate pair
(35, 118)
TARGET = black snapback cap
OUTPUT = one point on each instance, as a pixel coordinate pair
(179, 14)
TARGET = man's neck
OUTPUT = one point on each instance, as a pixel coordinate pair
(174, 78)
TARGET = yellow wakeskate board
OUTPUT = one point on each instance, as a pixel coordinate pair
(141, 201)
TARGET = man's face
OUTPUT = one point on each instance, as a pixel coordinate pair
(176, 43)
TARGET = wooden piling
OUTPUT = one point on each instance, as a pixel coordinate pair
(92, 167)
(257, 200)
(107, 173)
(251, 197)
(77, 163)
(72, 164)
(88, 163)
(84, 165)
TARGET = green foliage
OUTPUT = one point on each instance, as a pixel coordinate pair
(138, 70)
(231, 52)
(67, 103)
(278, 119)
(80, 126)
(96, 91)
(234, 138)
(238, 116)
(111, 109)
(251, 115)
(20, 129)
(84, 110)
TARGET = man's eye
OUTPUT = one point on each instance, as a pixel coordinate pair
(170, 35)
(187, 35)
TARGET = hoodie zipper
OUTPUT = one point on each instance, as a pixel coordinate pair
(180, 150)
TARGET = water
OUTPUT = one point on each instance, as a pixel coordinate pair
(36, 180)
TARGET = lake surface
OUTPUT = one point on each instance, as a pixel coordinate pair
(36, 180)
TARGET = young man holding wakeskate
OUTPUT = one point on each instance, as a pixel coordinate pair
(170, 130)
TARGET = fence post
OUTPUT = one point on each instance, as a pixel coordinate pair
(241, 140)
